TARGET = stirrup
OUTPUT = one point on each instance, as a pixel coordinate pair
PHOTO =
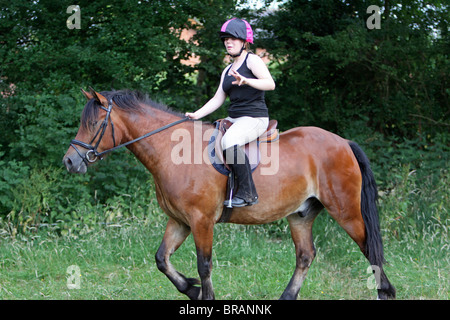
(237, 202)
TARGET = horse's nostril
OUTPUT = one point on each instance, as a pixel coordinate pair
(68, 163)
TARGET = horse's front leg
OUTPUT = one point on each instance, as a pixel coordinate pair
(202, 230)
(176, 233)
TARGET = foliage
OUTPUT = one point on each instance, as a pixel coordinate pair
(387, 89)
(120, 45)
(334, 71)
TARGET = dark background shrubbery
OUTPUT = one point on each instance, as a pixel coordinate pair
(387, 89)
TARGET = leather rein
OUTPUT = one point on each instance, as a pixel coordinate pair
(93, 155)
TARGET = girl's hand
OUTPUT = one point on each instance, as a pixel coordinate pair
(191, 115)
(240, 80)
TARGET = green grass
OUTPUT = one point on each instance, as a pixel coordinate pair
(250, 262)
(114, 246)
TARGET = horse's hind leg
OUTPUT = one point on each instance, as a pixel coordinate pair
(350, 218)
(301, 232)
(174, 236)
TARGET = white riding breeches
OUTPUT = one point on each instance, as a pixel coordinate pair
(244, 130)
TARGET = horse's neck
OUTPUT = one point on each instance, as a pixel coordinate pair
(148, 150)
(138, 125)
(156, 151)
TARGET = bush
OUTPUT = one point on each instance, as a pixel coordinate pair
(12, 173)
(67, 204)
(416, 207)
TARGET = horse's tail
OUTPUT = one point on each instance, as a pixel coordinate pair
(369, 211)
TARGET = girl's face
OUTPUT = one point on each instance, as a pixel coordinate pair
(233, 45)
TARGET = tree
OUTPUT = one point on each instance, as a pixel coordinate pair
(334, 72)
(132, 44)
(330, 70)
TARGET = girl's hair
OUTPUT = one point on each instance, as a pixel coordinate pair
(247, 47)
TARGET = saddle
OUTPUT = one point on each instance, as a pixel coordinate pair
(215, 150)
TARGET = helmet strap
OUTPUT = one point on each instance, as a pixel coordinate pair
(240, 52)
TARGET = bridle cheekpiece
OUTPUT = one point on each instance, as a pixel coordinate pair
(92, 154)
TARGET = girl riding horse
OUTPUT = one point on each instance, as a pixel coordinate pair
(244, 81)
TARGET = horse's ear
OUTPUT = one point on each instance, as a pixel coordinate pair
(87, 94)
(99, 97)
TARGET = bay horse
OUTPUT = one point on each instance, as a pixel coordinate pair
(316, 169)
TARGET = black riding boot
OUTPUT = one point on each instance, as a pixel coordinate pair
(246, 191)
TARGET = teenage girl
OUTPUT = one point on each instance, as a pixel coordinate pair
(244, 82)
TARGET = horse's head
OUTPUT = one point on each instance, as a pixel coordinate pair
(96, 133)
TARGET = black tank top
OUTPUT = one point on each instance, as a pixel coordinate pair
(244, 100)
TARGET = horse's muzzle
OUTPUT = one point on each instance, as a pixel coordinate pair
(74, 163)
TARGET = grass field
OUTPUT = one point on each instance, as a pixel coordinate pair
(113, 247)
(250, 262)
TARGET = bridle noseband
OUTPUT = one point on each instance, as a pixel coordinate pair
(93, 155)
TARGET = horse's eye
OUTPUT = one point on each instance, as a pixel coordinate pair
(94, 123)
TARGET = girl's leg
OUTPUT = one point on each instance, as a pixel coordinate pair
(243, 131)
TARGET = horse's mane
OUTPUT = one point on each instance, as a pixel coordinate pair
(127, 100)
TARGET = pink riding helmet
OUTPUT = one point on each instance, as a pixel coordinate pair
(237, 28)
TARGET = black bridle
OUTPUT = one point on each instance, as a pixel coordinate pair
(93, 155)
